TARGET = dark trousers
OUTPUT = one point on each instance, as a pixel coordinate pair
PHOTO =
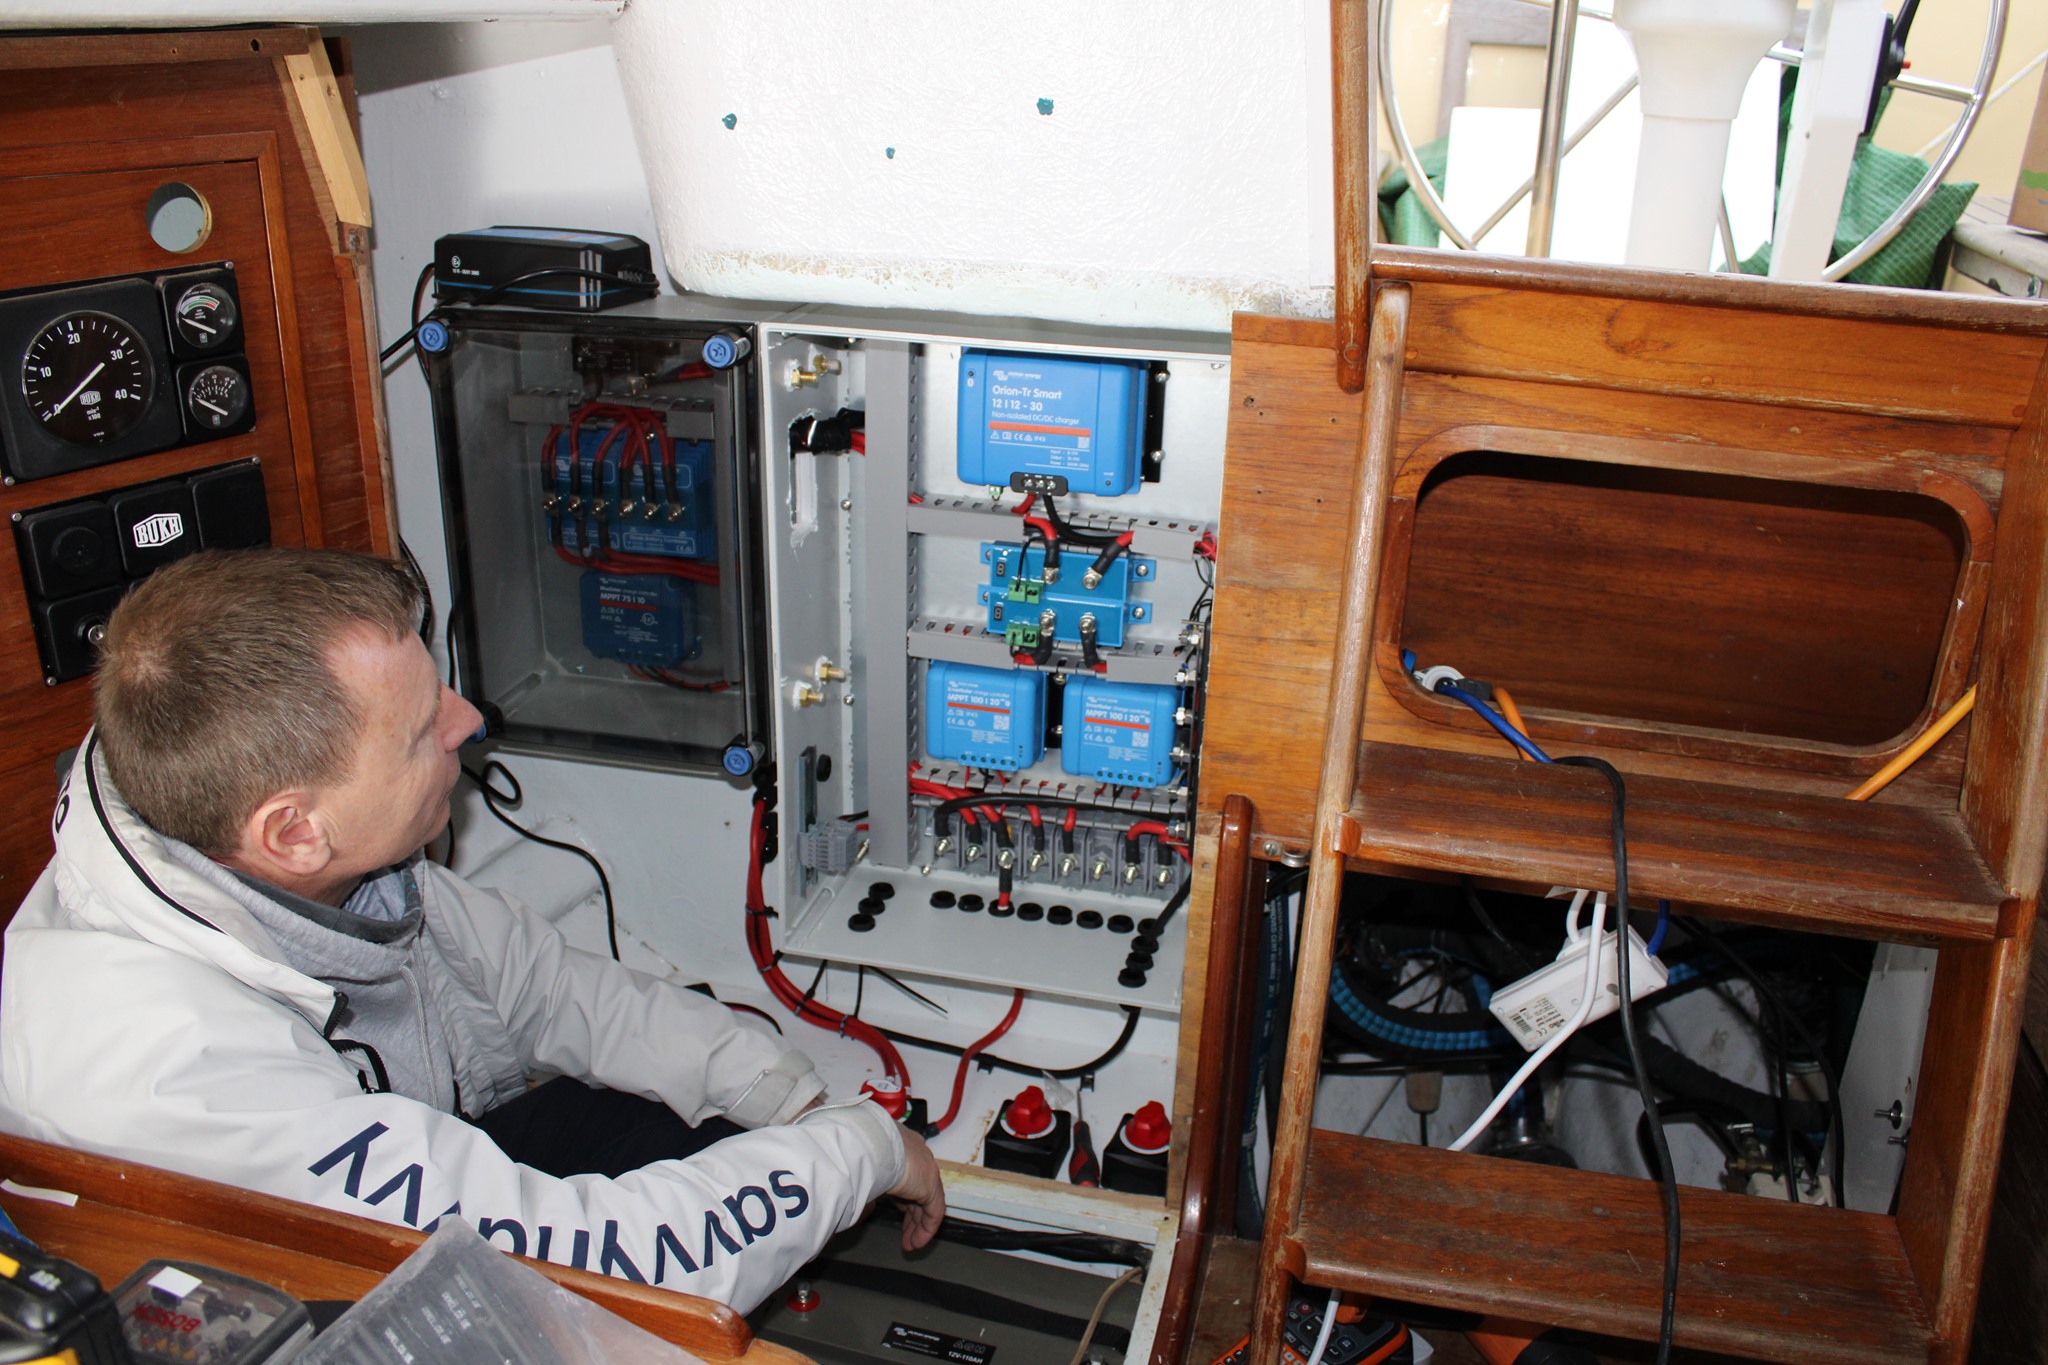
(568, 1128)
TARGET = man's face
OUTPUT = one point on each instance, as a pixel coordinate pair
(396, 796)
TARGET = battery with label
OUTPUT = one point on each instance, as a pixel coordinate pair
(1053, 419)
(984, 717)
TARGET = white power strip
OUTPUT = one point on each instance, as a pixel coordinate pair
(1544, 1001)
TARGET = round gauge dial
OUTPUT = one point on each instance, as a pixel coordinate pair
(88, 378)
(216, 397)
(205, 316)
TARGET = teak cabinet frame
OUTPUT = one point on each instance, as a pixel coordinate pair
(1825, 383)
(256, 120)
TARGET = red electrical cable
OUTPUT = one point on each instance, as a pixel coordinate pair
(967, 1060)
(785, 990)
(1165, 836)
(924, 786)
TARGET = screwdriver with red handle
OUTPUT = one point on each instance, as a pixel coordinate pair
(1082, 1167)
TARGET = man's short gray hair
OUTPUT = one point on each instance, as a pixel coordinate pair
(215, 691)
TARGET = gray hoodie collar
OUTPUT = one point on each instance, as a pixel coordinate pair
(384, 909)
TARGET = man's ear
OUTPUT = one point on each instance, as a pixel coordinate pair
(285, 840)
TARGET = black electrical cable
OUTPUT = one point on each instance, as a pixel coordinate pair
(1516, 953)
(492, 295)
(1666, 1178)
(1173, 904)
(1091, 658)
(1000, 798)
(1776, 1003)
(1468, 1064)
(419, 579)
(1677, 1075)
(906, 988)
(989, 1059)
(514, 798)
(384, 356)
(1775, 1041)
(811, 991)
(1068, 533)
(448, 637)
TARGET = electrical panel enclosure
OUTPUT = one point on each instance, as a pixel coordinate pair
(600, 501)
(976, 529)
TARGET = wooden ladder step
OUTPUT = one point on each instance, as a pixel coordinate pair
(1811, 861)
(1759, 1278)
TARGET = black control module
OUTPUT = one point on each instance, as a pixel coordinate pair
(542, 267)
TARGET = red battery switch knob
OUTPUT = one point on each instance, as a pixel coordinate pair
(889, 1093)
(1149, 1130)
(1028, 1115)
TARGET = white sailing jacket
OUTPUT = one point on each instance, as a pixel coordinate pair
(146, 1015)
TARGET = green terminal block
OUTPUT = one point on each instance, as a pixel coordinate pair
(1026, 590)
(1020, 634)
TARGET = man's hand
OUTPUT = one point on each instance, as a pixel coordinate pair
(921, 1193)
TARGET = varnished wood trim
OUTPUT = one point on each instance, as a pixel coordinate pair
(1346, 710)
(1210, 1113)
(1354, 194)
(142, 48)
(1973, 1031)
(1953, 657)
(1760, 1279)
(1312, 332)
(1750, 293)
(2005, 791)
(710, 1329)
(298, 413)
(84, 158)
(353, 272)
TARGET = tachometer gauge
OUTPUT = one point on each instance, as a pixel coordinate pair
(87, 378)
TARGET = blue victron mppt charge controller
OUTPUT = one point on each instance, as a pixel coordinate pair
(645, 619)
(1118, 732)
(984, 717)
(1072, 419)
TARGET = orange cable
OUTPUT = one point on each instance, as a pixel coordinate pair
(1909, 755)
(1514, 715)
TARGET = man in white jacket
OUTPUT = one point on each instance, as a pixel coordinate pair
(239, 965)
